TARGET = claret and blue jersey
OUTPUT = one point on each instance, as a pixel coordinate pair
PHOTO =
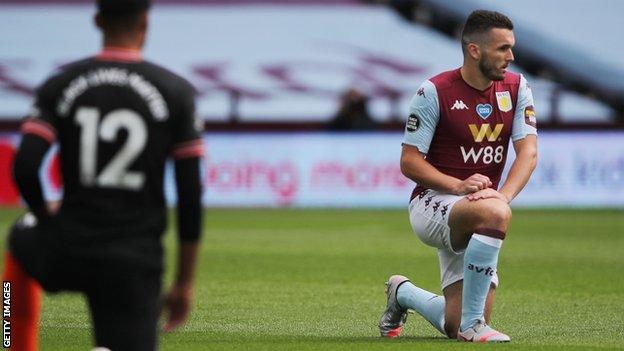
(463, 130)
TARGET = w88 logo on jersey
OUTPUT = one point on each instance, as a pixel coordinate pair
(486, 154)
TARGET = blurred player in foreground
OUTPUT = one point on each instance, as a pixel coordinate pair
(454, 148)
(116, 118)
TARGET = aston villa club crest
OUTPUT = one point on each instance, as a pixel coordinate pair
(484, 110)
(503, 98)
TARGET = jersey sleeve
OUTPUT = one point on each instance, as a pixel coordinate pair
(524, 122)
(424, 114)
(187, 128)
(41, 120)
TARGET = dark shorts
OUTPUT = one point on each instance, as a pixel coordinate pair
(124, 298)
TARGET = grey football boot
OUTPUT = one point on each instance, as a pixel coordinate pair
(394, 317)
(481, 332)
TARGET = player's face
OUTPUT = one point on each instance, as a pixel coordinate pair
(496, 54)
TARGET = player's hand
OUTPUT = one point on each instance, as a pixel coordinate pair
(473, 184)
(53, 207)
(488, 193)
(177, 306)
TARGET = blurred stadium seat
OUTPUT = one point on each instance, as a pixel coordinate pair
(571, 43)
(285, 62)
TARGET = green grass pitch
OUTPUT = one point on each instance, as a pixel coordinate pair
(313, 280)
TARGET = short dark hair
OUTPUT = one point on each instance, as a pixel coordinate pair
(480, 22)
(120, 15)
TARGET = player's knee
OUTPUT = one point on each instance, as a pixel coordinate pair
(503, 212)
(13, 233)
(495, 214)
(19, 229)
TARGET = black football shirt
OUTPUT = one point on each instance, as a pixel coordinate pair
(117, 119)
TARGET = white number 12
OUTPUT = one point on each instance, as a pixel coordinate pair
(115, 174)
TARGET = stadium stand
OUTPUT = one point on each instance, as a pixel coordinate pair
(272, 64)
(571, 43)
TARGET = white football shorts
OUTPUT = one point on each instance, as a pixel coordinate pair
(429, 214)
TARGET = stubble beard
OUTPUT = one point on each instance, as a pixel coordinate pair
(488, 70)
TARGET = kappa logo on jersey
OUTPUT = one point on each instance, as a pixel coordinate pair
(436, 205)
(484, 110)
(444, 210)
(529, 116)
(428, 201)
(503, 98)
(485, 132)
(459, 105)
(412, 123)
(421, 92)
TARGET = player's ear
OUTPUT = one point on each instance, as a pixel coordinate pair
(142, 27)
(97, 19)
(143, 21)
(474, 51)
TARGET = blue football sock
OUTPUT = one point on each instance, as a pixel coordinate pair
(428, 305)
(479, 265)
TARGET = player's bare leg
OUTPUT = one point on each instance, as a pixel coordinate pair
(452, 310)
(489, 304)
(479, 227)
(467, 216)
